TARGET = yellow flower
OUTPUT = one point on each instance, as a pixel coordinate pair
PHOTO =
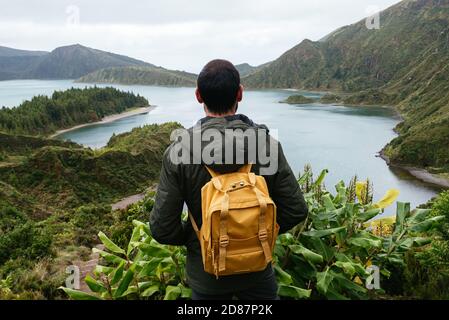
(360, 189)
(387, 199)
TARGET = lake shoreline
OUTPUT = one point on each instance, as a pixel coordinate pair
(107, 119)
(418, 173)
(262, 106)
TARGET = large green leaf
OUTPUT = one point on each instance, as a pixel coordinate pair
(94, 285)
(283, 276)
(293, 292)
(327, 216)
(145, 227)
(154, 249)
(148, 292)
(134, 240)
(426, 225)
(332, 294)
(365, 240)
(130, 290)
(349, 212)
(341, 193)
(323, 233)
(286, 239)
(108, 256)
(328, 203)
(150, 267)
(347, 267)
(99, 269)
(359, 269)
(124, 284)
(109, 244)
(186, 293)
(321, 177)
(407, 243)
(421, 241)
(352, 287)
(79, 295)
(306, 176)
(323, 280)
(117, 274)
(172, 292)
(418, 215)
(402, 212)
(145, 285)
(367, 215)
(309, 255)
(321, 247)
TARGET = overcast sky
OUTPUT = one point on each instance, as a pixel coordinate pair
(178, 34)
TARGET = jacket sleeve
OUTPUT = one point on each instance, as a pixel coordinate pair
(165, 219)
(287, 195)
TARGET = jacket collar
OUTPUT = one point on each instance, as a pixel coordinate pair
(238, 117)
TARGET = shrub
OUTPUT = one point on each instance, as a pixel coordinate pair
(39, 281)
(21, 238)
(326, 257)
(122, 227)
(440, 207)
(426, 275)
(87, 220)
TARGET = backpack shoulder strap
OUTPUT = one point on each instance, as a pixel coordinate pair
(211, 172)
(194, 225)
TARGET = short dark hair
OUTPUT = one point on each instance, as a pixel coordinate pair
(218, 83)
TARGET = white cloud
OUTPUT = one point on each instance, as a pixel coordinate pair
(178, 34)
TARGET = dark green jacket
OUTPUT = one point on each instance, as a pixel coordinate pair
(182, 183)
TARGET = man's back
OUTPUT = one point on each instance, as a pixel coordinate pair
(182, 182)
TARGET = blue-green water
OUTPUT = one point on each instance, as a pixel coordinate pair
(344, 140)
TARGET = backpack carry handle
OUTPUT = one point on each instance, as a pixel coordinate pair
(243, 169)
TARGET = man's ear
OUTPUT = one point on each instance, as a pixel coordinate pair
(198, 96)
(240, 94)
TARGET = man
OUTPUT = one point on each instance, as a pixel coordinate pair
(220, 91)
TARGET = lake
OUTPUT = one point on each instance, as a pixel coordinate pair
(344, 140)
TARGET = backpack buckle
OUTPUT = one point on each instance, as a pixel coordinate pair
(263, 235)
(224, 241)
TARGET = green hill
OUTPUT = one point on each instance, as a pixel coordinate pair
(10, 52)
(16, 64)
(88, 64)
(354, 58)
(246, 69)
(68, 62)
(404, 63)
(141, 75)
(71, 62)
(22, 145)
(67, 175)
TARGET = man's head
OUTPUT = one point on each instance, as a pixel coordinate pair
(219, 88)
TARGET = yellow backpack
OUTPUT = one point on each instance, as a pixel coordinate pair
(239, 227)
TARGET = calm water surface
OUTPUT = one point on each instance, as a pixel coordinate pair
(344, 140)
